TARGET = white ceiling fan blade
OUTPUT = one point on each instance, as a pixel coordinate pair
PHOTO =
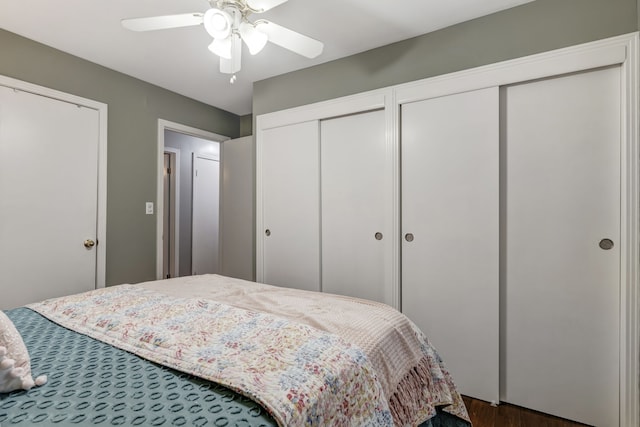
(264, 5)
(289, 39)
(163, 22)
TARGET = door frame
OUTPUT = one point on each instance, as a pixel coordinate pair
(174, 226)
(187, 130)
(101, 211)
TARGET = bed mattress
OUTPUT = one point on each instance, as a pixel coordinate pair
(93, 383)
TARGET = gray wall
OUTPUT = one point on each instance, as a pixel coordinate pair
(531, 28)
(246, 125)
(134, 109)
(188, 145)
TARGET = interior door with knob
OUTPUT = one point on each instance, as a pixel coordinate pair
(357, 207)
(289, 234)
(561, 248)
(205, 214)
(450, 252)
(48, 197)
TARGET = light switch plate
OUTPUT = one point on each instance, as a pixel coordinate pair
(149, 208)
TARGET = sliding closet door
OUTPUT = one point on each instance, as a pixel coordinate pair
(450, 188)
(357, 207)
(562, 252)
(290, 235)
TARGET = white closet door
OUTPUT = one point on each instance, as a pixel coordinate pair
(450, 207)
(357, 207)
(48, 197)
(205, 221)
(291, 207)
(562, 193)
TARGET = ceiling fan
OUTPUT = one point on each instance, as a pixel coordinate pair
(227, 21)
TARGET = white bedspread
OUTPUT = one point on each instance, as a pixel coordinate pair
(413, 377)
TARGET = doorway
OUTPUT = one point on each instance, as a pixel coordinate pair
(174, 254)
(171, 213)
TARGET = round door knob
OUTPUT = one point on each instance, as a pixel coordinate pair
(89, 243)
(267, 232)
(378, 236)
(408, 237)
(606, 244)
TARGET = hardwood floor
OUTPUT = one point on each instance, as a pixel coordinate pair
(482, 414)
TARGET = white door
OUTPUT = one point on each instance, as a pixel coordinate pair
(290, 228)
(450, 252)
(48, 197)
(357, 207)
(236, 209)
(562, 195)
(205, 225)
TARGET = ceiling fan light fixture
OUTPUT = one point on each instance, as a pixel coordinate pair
(221, 47)
(218, 23)
(227, 23)
(253, 38)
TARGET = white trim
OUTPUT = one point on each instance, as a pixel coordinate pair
(187, 130)
(562, 61)
(101, 108)
(176, 218)
(221, 218)
(259, 219)
(621, 50)
(392, 122)
(630, 239)
(362, 102)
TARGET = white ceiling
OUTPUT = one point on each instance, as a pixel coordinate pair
(178, 59)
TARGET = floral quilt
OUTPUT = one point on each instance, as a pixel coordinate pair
(300, 374)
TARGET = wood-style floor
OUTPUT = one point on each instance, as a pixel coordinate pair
(482, 414)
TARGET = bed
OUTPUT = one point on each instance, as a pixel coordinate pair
(215, 351)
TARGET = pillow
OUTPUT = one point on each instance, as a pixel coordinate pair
(15, 365)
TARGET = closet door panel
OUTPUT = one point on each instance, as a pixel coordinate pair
(356, 207)
(562, 289)
(291, 206)
(450, 252)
